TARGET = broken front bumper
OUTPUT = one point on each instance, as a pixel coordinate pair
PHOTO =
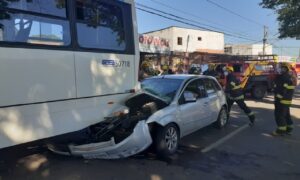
(137, 142)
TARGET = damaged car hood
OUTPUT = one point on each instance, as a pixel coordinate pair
(142, 96)
(118, 136)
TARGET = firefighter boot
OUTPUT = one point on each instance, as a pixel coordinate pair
(251, 118)
(280, 131)
(289, 129)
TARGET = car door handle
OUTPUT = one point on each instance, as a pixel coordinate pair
(206, 103)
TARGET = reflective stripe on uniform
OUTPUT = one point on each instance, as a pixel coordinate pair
(290, 126)
(288, 87)
(239, 97)
(279, 96)
(232, 83)
(282, 128)
(287, 102)
(236, 87)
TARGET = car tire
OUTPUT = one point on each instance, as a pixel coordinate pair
(166, 140)
(222, 118)
(259, 92)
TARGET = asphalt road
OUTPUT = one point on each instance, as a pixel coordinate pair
(235, 152)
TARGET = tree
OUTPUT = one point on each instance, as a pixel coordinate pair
(288, 16)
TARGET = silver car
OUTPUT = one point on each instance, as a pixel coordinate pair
(168, 108)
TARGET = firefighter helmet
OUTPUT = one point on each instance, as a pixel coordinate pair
(229, 68)
(165, 67)
(145, 64)
(211, 66)
(286, 65)
(180, 63)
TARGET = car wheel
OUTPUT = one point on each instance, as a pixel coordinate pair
(166, 141)
(222, 118)
(259, 92)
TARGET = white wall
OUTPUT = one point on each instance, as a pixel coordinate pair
(257, 49)
(242, 49)
(210, 40)
(251, 49)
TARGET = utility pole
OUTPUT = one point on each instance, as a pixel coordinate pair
(265, 39)
(187, 43)
(186, 61)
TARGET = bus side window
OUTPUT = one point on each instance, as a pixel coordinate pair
(100, 25)
(49, 7)
(25, 28)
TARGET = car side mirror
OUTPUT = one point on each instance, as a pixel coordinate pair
(189, 97)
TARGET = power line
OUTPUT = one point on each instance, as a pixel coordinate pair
(234, 13)
(174, 19)
(169, 14)
(195, 16)
(180, 19)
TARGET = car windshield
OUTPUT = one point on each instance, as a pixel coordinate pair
(163, 88)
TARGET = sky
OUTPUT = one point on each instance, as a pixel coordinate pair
(207, 13)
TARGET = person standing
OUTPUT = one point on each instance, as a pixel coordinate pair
(283, 92)
(234, 93)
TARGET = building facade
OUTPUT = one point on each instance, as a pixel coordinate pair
(248, 49)
(191, 40)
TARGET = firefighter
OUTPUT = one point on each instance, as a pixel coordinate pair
(211, 71)
(234, 93)
(146, 70)
(165, 69)
(283, 91)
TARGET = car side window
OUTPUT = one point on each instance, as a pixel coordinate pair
(217, 86)
(201, 88)
(209, 86)
(192, 87)
(197, 88)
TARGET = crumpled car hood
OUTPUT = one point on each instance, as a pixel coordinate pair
(139, 98)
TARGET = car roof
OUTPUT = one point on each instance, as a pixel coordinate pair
(179, 76)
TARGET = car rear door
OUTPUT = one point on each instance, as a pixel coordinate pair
(214, 104)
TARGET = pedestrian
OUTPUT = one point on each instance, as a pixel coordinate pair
(194, 70)
(170, 71)
(144, 70)
(234, 93)
(179, 71)
(283, 92)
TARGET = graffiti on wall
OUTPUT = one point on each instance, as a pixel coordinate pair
(152, 44)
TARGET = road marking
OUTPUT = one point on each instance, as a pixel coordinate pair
(224, 139)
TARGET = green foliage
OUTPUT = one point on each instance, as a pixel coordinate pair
(288, 16)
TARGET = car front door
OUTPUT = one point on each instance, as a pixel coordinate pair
(193, 114)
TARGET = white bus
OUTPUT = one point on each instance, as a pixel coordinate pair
(64, 65)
